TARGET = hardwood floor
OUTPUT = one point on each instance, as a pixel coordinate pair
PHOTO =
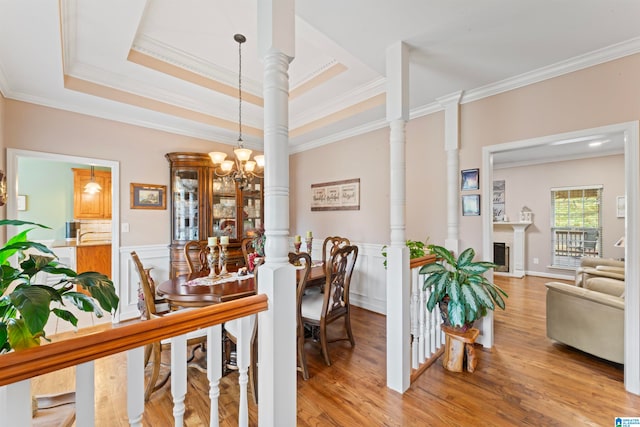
(525, 379)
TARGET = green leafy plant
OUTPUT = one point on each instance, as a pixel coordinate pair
(417, 249)
(25, 306)
(460, 284)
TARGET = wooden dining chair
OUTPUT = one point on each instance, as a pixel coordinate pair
(304, 260)
(195, 252)
(153, 351)
(321, 309)
(247, 248)
(330, 245)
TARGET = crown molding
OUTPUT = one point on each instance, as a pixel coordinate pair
(557, 158)
(339, 136)
(580, 62)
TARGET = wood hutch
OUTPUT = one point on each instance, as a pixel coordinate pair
(204, 204)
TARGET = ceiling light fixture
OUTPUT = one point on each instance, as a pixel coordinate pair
(92, 187)
(243, 170)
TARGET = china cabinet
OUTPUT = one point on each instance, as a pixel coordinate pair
(204, 205)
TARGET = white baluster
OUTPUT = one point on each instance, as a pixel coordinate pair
(415, 327)
(214, 371)
(433, 339)
(424, 332)
(135, 386)
(178, 377)
(85, 394)
(243, 352)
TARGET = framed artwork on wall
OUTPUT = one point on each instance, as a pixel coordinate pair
(471, 205)
(148, 196)
(470, 179)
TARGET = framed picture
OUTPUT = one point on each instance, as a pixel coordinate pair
(470, 179)
(620, 206)
(148, 196)
(336, 196)
(471, 205)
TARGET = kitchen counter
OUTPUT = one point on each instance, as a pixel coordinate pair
(74, 243)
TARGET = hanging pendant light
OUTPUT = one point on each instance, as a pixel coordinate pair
(92, 187)
(242, 170)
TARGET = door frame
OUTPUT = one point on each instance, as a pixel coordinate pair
(13, 156)
(632, 232)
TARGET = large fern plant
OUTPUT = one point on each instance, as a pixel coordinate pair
(460, 283)
(25, 306)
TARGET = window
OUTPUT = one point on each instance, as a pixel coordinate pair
(576, 224)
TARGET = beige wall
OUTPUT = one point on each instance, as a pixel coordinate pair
(140, 152)
(530, 186)
(605, 94)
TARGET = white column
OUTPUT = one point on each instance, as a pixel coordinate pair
(277, 326)
(398, 280)
(451, 104)
(518, 249)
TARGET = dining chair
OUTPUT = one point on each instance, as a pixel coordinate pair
(304, 260)
(330, 245)
(321, 309)
(247, 248)
(153, 351)
(195, 252)
(231, 329)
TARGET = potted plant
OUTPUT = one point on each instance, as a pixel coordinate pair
(460, 288)
(417, 249)
(25, 306)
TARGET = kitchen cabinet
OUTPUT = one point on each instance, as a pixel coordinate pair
(204, 205)
(94, 257)
(91, 206)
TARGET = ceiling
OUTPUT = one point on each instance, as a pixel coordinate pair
(173, 65)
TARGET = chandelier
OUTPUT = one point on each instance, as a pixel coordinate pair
(92, 186)
(242, 170)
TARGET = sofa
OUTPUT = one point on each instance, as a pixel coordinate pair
(589, 315)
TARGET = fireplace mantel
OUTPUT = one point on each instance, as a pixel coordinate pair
(518, 245)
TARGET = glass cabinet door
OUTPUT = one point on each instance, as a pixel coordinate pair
(225, 208)
(252, 208)
(185, 204)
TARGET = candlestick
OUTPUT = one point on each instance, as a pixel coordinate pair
(297, 239)
(212, 241)
(308, 241)
(297, 246)
(212, 257)
(223, 256)
(309, 235)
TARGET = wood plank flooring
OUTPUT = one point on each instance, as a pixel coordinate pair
(525, 379)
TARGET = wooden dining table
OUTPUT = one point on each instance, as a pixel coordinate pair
(188, 290)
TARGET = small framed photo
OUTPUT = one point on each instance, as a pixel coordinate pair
(471, 205)
(148, 196)
(470, 179)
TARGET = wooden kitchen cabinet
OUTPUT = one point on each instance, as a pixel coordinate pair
(91, 206)
(94, 258)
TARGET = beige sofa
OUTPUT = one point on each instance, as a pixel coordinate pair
(590, 315)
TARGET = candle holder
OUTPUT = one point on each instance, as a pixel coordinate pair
(297, 246)
(223, 260)
(308, 241)
(212, 260)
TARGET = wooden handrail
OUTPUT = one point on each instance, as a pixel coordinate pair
(20, 365)
(423, 260)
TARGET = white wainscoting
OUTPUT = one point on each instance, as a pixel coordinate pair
(155, 257)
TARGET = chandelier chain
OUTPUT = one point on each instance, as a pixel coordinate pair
(240, 92)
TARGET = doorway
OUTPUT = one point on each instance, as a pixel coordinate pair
(14, 157)
(629, 133)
